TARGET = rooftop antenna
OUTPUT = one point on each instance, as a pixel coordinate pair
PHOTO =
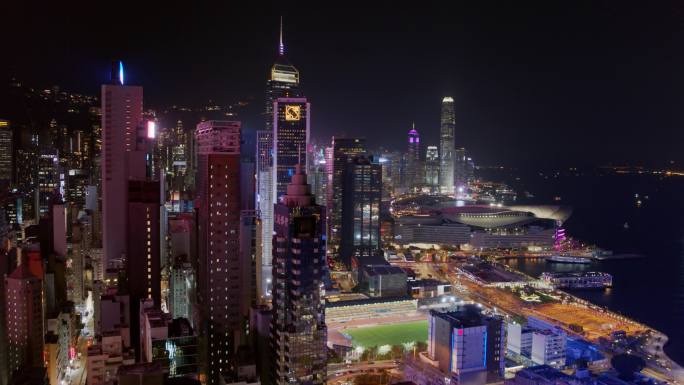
(281, 46)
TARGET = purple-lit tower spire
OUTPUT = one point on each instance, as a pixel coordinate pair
(281, 46)
(412, 164)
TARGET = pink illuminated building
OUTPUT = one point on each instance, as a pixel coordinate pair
(122, 108)
(24, 319)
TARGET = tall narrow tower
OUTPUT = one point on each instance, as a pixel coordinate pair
(122, 108)
(298, 331)
(283, 81)
(218, 221)
(446, 146)
(412, 170)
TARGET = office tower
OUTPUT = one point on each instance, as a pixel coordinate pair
(343, 149)
(6, 153)
(412, 163)
(122, 108)
(24, 319)
(466, 344)
(432, 168)
(290, 138)
(283, 81)
(264, 204)
(218, 222)
(464, 170)
(361, 196)
(446, 146)
(298, 331)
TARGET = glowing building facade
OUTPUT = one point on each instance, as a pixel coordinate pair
(446, 146)
(298, 331)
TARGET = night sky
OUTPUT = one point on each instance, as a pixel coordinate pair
(582, 83)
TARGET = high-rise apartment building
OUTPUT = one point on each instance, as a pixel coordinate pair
(24, 319)
(298, 331)
(218, 222)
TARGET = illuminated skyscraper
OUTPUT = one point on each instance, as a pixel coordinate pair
(412, 169)
(264, 205)
(361, 196)
(6, 153)
(446, 144)
(218, 221)
(283, 81)
(343, 150)
(290, 139)
(298, 331)
(122, 108)
(432, 168)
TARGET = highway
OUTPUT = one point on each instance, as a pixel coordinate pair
(341, 373)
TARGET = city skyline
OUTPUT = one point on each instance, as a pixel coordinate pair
(456, 194)
(504, 61)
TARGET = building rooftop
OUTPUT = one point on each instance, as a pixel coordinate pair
(383, 270)
(543, 372)
(369, 301)
(465, 317)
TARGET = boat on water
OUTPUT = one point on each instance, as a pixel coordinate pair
(573, 280)
(568, 259)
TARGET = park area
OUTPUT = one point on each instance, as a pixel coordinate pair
(390, 334)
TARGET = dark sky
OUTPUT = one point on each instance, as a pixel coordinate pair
(550, 83)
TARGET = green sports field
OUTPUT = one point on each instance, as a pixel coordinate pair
(393, 334)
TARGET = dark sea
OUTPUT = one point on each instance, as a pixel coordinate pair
(606, 212)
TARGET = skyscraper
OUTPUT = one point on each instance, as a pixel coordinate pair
(446, 144)
(6, 153)
(122, 108)
(283, 81)
(219, 274)
(298, 331)
(361, 198)
(24, 319)
(290, 139)
(264, 205)
(432, 168)
(143, 270)
(343, 149)
(412, 167)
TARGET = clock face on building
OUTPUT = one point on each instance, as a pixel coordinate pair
(293, 113)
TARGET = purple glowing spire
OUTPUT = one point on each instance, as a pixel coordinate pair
(281, 46)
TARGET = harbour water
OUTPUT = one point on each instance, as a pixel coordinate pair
(641, 214)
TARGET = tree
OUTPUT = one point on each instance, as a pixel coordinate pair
(397, 351)
(627, 365)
